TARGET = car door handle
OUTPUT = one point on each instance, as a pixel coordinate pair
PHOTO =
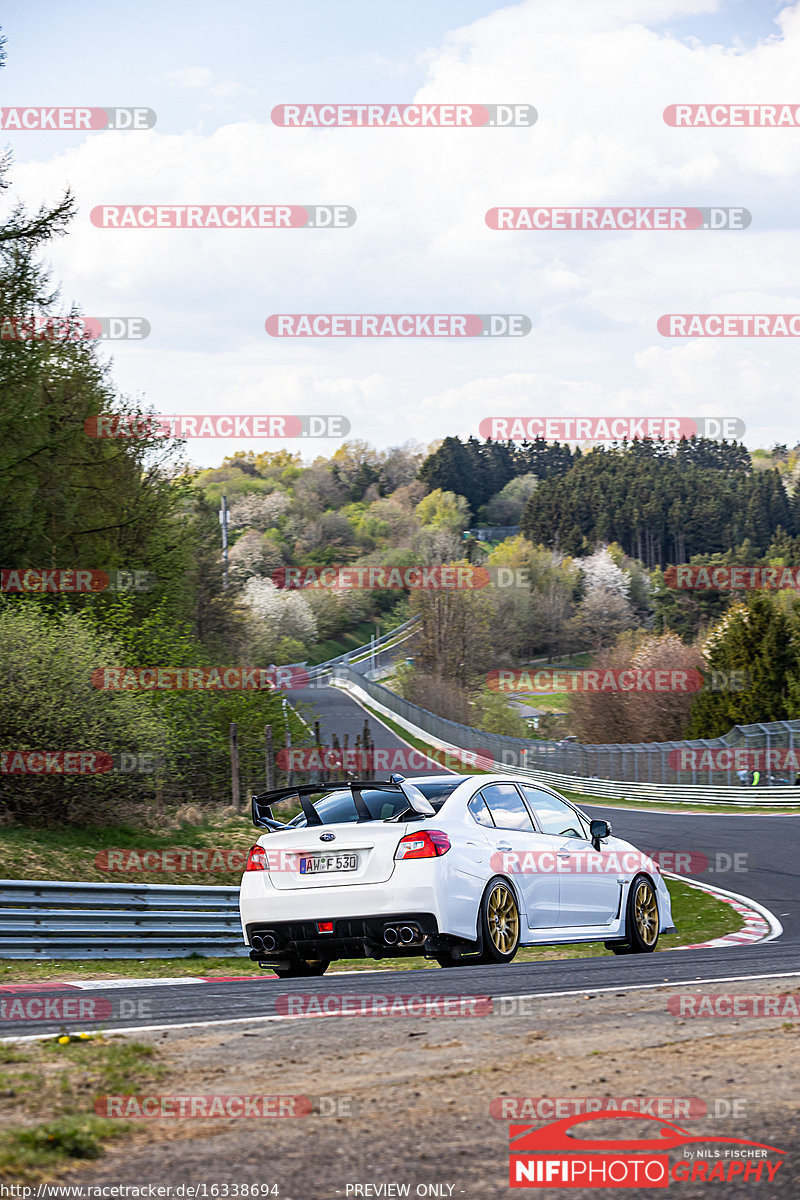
(503, 846)
(564, 853)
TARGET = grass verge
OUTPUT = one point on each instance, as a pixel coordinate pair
(47, 1093)
(66, 853)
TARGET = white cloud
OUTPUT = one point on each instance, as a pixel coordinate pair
(600, 81)
(190, 77)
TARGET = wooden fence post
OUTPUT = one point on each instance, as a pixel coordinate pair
(235, 795)
(269, 758)
(289, 771)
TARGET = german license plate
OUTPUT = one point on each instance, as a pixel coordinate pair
(317, 864)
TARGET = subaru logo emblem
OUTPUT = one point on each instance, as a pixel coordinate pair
(327, 837)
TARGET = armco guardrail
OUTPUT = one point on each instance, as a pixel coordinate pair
(522, 755)
(44, 920)
(372, 656)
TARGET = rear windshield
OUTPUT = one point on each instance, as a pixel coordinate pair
(337, 808)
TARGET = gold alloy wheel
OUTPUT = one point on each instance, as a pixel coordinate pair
(645, 912)
(503, 919)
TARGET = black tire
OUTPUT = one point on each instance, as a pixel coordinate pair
(499, 922)
(301, 967)
(641, 919)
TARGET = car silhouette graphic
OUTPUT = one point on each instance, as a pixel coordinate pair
(555, 1136)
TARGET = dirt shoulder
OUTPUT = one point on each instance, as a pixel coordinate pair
(415, 1095)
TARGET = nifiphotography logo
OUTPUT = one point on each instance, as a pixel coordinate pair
(548, 1156)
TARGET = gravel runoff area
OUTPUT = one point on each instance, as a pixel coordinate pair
(414, 1095)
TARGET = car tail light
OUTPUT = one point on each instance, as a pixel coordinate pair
(324, 926)
(428, 843)
(257, 859)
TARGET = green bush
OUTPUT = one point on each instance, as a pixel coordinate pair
(47, 702)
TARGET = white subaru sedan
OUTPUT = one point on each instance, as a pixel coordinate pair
(458, 868)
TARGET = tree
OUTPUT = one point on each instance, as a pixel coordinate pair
(760, 639)
(48, 703)
(599, 619)
(31, 231)
(443, 510)
(505, 508)
(660, 503)
(604, 717)
(274, 615)
(449, 469)
(455, 641)
(66, 498)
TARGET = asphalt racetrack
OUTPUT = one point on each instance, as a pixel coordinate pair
(771, 876)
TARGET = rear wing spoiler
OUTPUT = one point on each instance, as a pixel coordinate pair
(261, 802)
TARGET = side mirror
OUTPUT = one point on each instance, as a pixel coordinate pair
(598, 830)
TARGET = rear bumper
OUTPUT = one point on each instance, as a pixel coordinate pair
(262, 905)
(352, 937)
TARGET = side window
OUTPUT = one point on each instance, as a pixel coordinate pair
(505, 804)
(554, 816)
(479, 811)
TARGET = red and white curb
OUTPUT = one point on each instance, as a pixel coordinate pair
(97, 985)
(760, 925)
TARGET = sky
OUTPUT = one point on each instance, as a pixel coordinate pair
(599, 76)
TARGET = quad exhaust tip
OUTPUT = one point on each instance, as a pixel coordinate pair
(404, 934)
(263, 941)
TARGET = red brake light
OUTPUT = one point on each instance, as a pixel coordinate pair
(257, 859)
(324, 926)
(428, 843)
